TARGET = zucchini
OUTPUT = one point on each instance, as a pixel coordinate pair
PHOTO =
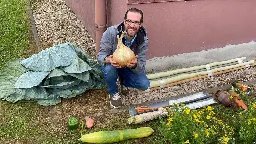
(116, 135)
(73, 123)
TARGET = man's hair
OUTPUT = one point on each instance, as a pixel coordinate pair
(134, 10)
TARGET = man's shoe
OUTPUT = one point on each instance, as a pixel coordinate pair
(124, 90)
(115, 100)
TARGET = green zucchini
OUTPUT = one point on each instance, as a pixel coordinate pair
(116, 135)
(73, 123)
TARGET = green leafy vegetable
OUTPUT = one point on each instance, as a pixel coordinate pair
(62, 71)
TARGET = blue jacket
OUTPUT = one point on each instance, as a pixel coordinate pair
(108, 45)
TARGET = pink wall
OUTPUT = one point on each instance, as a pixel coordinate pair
(182, 27)
(116, 10)
(85, 10)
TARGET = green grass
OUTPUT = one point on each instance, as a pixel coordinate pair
(14, 30)
(21, 122)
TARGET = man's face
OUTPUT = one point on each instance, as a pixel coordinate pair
(132, 23)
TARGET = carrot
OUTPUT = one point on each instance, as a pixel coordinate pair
(241, 104)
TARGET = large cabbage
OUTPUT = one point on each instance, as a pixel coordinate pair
(62, 71)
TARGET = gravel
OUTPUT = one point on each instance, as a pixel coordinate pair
(56, 24)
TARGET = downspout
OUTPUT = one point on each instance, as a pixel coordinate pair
(100, 21)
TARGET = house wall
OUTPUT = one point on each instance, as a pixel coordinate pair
(196, 25)
(183, 27)
(115, 11)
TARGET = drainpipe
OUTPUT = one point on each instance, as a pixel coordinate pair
(100, 21)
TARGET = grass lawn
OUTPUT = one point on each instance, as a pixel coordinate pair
(21, 123)
(14, 30)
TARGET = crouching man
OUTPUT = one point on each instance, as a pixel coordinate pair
(133, 75)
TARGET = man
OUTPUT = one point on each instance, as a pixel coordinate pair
(136, 39)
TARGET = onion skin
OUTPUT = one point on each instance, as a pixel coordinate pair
(123, 55)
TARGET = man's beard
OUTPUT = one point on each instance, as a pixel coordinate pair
(131, 32)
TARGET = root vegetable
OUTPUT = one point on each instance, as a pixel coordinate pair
(147, 116)
(123, 54)
(89, 122)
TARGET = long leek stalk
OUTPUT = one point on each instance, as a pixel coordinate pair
(172, 72)
(162, 82)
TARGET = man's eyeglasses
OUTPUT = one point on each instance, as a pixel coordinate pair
(129, 22)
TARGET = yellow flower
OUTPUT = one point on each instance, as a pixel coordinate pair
(208, 117)
(214, 133)
(197, 120)
(209, 108)
(198, 114)
(225, 139)
(187, 111)
(254, 105)
(231, 97)
(194, 116)
(195, 135)
(211, 113)
(219, 121)
(253, 119)
(168, 124)
(187, 142)
(170, 119)
(207, 132)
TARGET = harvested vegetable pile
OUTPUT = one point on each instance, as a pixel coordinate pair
(62, 71)
(193, 86)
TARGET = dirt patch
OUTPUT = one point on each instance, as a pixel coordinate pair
(93, 103)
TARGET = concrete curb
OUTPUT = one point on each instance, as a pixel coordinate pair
(159, 64)
(33, 26)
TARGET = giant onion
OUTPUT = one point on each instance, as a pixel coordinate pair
(123, 55)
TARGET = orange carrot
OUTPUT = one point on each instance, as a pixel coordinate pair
(241, 104)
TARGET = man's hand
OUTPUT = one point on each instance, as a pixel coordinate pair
(133, 62)
(109, 59)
